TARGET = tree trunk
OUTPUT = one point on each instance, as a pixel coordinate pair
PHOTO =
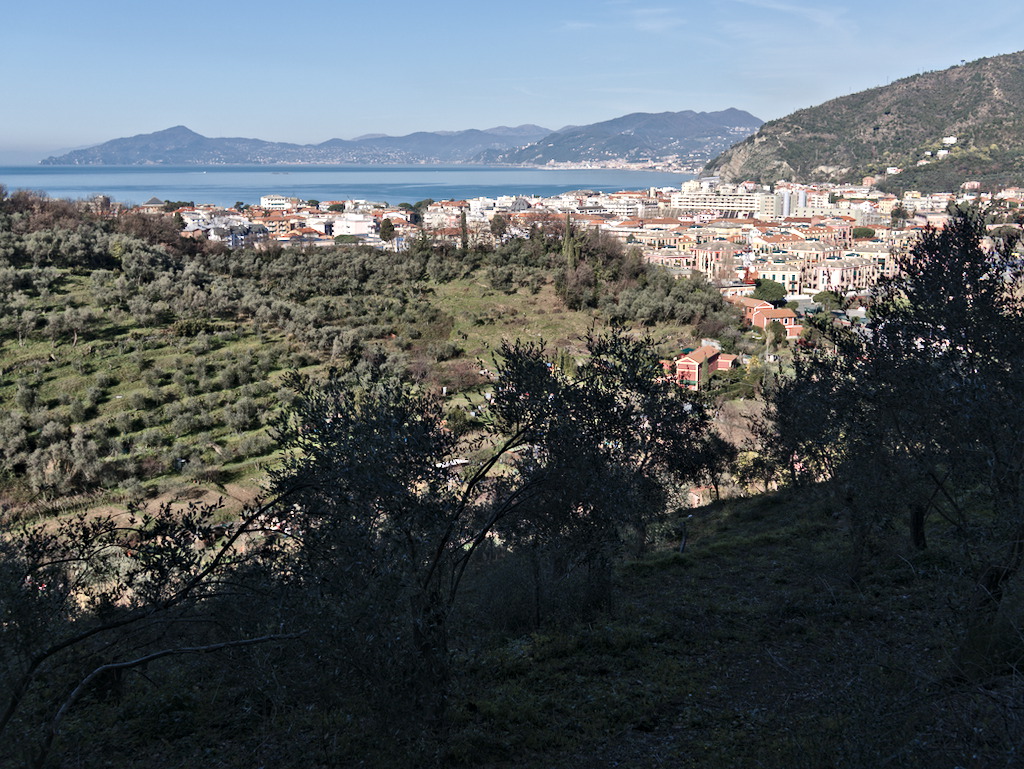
(430, 639)
(918, 513)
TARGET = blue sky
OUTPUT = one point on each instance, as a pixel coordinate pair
(77, 74)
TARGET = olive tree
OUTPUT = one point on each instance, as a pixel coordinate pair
(918, 419)
(393, 507)
(86, 599)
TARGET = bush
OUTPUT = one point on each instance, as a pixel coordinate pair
(242, 415)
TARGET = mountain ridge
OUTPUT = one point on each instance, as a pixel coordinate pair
(180, 145)
(896, 126)
(686, 135)
(692, 136)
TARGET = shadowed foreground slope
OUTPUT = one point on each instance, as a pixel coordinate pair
(749, 649)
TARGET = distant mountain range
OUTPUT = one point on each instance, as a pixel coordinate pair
(689, 136)
(182, 146)
(901, 125)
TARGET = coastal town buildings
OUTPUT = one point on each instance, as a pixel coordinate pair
(801, 236)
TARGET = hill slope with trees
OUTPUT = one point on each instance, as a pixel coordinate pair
(844, 139)
(129, 355)
(513, 579)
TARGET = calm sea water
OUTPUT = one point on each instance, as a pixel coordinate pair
(224, 185)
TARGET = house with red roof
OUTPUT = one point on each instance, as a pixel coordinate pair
(749, 306)
(763, 318)
(694, 368)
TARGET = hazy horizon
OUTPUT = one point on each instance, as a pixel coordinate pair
(78, 76)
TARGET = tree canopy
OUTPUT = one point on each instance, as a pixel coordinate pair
(768, 290)
(393, 516)
(918, 420)
(829, 300)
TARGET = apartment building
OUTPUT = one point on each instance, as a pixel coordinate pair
(756, 204)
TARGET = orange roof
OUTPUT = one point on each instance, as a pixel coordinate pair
(784, 312)
(701, 354)
(747, 301)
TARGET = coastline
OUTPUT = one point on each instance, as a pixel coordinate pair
(552, 166)
(223, 184)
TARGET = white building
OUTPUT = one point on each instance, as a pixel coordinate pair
(353, 224)
(761, 205)
(278, 203)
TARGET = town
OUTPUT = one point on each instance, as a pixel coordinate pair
(809, 238)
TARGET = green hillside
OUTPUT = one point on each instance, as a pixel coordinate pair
(433, 582)
(692, 136)
(847, 138)
(132, 360)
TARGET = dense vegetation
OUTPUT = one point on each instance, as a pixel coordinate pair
(512, 576)
(130, 354)
(853, 136)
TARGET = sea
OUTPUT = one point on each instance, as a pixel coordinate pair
(226, 185)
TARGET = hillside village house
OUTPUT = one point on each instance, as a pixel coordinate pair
(814, 250)
(694, 368)
(786, 317)
(788, 273)
(718, 259)
(842, 275)
(748, 306)
(880, 253)
(681, 257)
(760, 314)
(773, 242)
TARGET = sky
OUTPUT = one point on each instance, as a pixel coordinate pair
(76, 74)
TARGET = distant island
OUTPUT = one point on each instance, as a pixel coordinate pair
(672, 140)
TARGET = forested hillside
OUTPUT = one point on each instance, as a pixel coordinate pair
(688, 136)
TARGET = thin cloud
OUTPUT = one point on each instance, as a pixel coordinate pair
(655, 20)
(819, 16)
(627, 14)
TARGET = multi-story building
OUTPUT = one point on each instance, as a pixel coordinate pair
(278, 203)
(718, 259)
(693, 368)
(841, 274)
(756, 204)
(787, 272)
